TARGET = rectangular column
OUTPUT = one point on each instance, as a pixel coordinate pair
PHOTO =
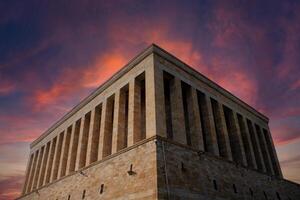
(274, 158)
(106, 128)
(95, 135)
(44, 163)
(155, 105)
(256, 147)
(71, 147)
(134, 112)
(28, 171)
(91, 136)
(209, 120)
(75, 145)
(178, 125)
(38, 169)
(195, 121)
(32, 174)
(50, 161)
(80, 136)
(60, 162)
(240, 140)
(57, 154)
(247, 142)
(264, 149)
(221, 130)
(119, 139)
(236, 143)
(65, 152)
(207, 124)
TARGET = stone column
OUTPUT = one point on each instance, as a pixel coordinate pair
(134, 112)
(155, 102)
(239, 139)
(62, 154)
(267, 157)
(28, 170)
(57, 154)
(178, 125)
(69, 158)
(253, 161)
(274, 157)
(91, 137)
(50, 161)
(224, 131)
(38, 169)
(77, 163)
(102, 130)
(195, 124)
(43, 165)
(261, 159)
(33, 172)
(119, 141)
(108, 127)
(212, 137)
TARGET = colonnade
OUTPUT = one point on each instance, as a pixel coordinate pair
(153, 103)
(197, 119)
(114, 124)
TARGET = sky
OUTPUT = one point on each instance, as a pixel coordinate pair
(55, 53)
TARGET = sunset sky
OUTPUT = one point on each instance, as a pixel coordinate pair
(54, 53)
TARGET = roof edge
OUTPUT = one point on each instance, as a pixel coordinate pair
(134, 61)
(153, 48)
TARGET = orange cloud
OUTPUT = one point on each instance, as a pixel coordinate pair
(75, 81)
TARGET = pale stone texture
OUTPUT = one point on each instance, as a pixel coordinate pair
(115, 145)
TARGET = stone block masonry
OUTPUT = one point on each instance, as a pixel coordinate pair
(157, 129)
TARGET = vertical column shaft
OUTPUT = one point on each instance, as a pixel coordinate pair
(38, 169)
(95, 134)
(179, 130)
(57, 156)
(92, 134)
(71, 147)
(28, 173)
(61, 158)
(260, 158)
(106, 129)
(32, 174)
(247, 142)
(264, 149)
(239, 140)
(65, 152)
(50, 161)
(44, 164)
(274, 158)
(77, 128)
(134, 112)
(119, 138)
(221, 129)
(155, 105)
(77, 162)
(212, 137)
(195, 121)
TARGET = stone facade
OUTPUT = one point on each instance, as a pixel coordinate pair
(157, 130)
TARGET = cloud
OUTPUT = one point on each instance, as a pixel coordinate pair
(10, 187)
(6, 86)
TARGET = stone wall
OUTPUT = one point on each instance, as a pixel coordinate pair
(113, 173)
(184, 173)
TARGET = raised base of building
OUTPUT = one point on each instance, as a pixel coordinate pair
(157, 168)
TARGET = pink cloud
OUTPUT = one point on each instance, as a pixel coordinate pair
(10, 187)
(285, 134)
(6, 86)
